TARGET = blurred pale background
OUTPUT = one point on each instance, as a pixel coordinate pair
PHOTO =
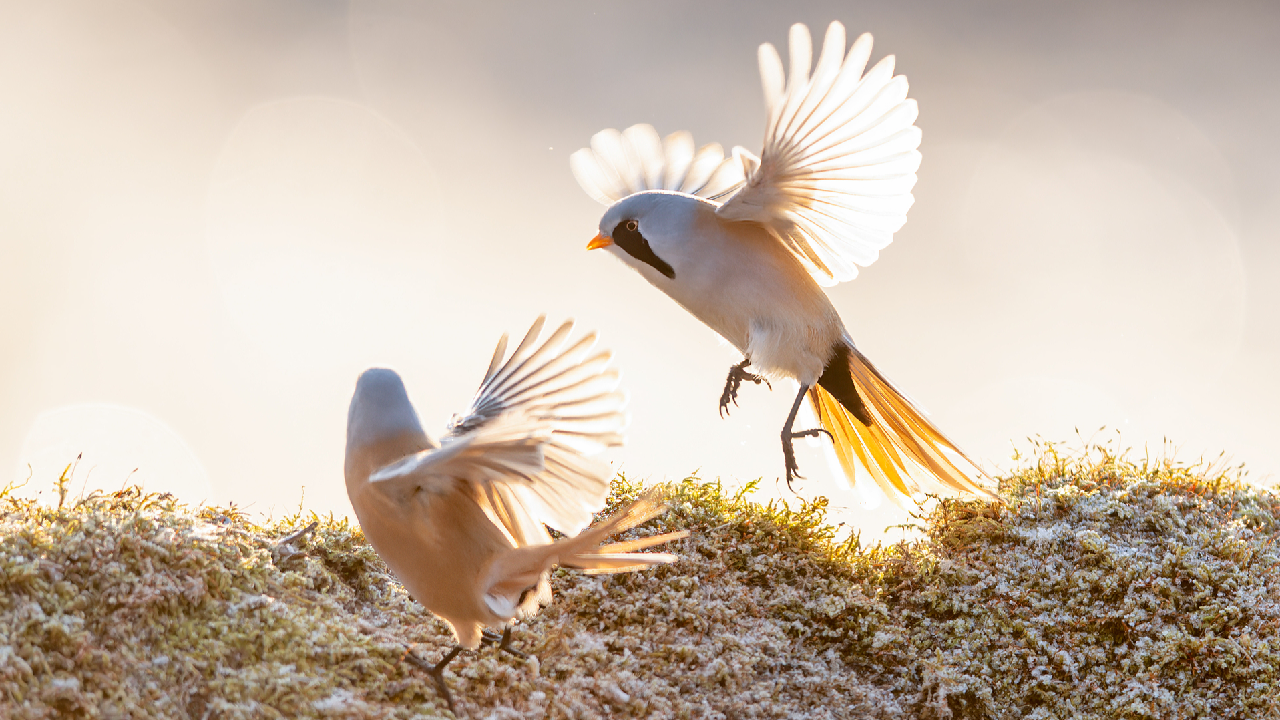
(214, 215)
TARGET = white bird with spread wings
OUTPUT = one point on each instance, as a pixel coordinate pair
(462, 522)
(745, 244)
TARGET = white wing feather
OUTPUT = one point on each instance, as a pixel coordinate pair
(526, 438)
(619, 164)
(834, 180)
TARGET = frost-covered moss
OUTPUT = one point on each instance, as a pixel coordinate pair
(1101, 588)
(125, 605)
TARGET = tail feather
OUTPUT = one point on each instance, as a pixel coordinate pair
(586, 552)
(898, 442)
(521, 568)
(621, 556)
(642, 543)
(609, 564)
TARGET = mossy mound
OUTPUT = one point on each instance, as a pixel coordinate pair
(1100, 588)
(130, 606)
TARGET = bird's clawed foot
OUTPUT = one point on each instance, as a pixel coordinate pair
(437, 673)
(503, 642)
(737, 374)
(789, 452)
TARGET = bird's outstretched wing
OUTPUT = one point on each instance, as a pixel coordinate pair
(526, 439)
(619, 164)
(834, 180)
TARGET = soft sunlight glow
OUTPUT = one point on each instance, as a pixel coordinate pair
(224, 212)
(1078, 212)
(117, 445)
(307, 200)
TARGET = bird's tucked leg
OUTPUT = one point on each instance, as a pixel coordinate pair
(437, 673)
(503, 642)
(737, 374)
(788, 452)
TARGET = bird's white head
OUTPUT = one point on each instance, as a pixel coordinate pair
(380, 410)
(652, 231)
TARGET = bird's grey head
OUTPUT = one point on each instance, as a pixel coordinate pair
(380, 409)
(650, 230)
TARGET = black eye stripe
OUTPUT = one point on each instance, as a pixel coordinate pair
(627, 236)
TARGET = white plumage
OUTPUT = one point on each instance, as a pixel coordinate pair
(462, 522)
(619, 164)
(834, 180)
(745, 244)
(528, 435)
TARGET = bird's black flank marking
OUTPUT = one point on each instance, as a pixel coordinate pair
(837, 381)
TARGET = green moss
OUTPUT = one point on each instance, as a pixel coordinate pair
(1101, 587)
(129, 605)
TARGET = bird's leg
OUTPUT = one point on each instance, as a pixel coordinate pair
(737, 374)
(788, 452)
(506, 647)
(437, 673)
(489, 637)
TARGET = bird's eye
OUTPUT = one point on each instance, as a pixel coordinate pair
(626, 235)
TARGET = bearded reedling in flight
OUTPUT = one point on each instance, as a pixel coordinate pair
(745, 244)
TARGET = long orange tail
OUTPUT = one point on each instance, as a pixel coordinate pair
(904, 452)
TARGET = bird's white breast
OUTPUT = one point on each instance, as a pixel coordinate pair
(747, 287)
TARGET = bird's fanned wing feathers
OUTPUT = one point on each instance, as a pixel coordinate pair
(526, 438)
(834, 180)
(619, 164)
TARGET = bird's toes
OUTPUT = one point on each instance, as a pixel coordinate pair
(792, 467)
(815, 432)
(507, 648)
(436, 673)
(444, 691)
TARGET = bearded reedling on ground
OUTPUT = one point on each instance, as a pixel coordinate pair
(462, 522)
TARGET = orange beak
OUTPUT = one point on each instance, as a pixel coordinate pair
(599, 241)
